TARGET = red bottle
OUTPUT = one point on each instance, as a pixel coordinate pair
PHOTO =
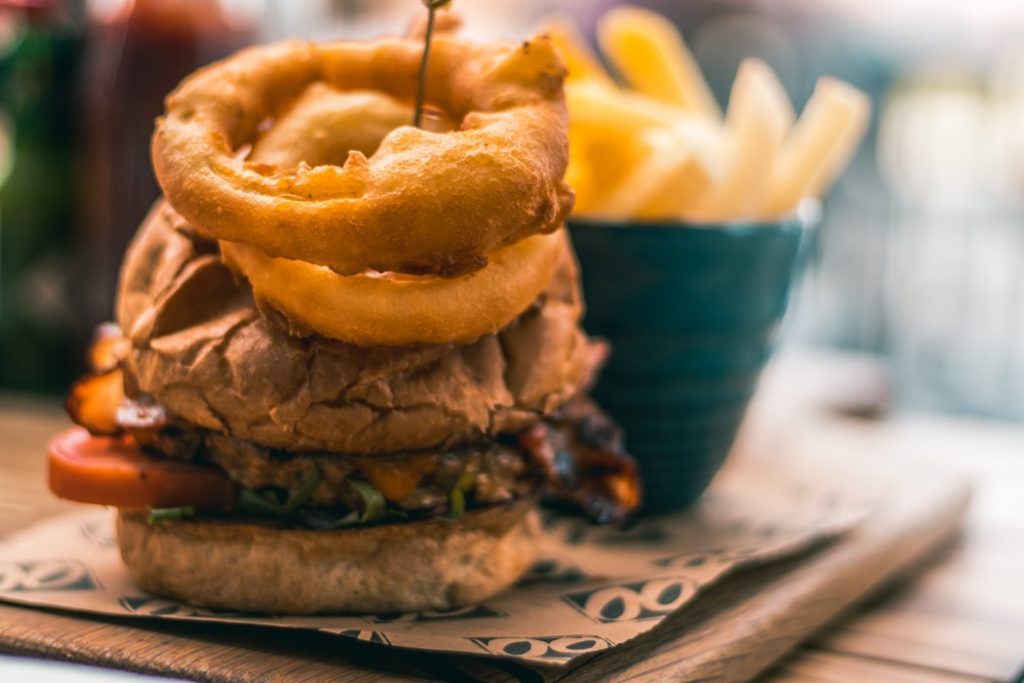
(137, 52)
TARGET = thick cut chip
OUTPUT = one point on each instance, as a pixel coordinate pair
(649, 52)
(819, 146)
(582, 64)
(757, 121)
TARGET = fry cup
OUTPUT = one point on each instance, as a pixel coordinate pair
(691, 312)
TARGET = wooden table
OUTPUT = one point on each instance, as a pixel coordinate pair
(960, 618)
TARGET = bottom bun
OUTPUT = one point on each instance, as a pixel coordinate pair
(249, 567)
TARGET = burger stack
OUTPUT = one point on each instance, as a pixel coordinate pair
(263, 458)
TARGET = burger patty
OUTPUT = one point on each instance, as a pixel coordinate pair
(419, 482)
(488, 474)
(575, 455)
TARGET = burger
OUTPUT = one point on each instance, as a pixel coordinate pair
(258, 460)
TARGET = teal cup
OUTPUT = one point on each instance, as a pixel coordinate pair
(691, 312)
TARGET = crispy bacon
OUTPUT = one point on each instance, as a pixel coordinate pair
(96, 398)
(582, 455)
(107, 349)
(153, 429)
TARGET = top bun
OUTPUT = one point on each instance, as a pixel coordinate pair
(203, 349)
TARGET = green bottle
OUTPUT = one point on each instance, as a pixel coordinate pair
(40, 52)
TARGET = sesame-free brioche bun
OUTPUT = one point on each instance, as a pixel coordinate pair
(203, 348)
(250, 567)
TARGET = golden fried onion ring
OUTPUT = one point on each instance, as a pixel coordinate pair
(323, 126)
(395, 310)
(423, 203)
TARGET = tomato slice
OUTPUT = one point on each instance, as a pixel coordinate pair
(115, 471)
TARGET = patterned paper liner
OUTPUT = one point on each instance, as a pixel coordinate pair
(593, 588)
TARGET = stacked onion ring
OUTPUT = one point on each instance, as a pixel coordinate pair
(356, 226)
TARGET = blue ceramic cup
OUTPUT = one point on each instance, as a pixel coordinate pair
(691, 312)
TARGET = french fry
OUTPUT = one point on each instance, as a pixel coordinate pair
(593, 105)
(630, 154)
(604, 140)
(673, 171)
(649, 52)
(599, 159)
(579, 60)
(757, 120)
(819, 146)
(661, 149)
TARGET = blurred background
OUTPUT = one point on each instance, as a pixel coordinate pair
(917, 262)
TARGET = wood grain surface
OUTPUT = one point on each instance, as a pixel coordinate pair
(952, 620)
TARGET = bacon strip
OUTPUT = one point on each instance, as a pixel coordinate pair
(581, 452)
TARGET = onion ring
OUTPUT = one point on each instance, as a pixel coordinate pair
(309, 131)
(423, 203)
(402, 310)
(389, 309)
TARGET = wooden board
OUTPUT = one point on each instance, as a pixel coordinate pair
(735, 631)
